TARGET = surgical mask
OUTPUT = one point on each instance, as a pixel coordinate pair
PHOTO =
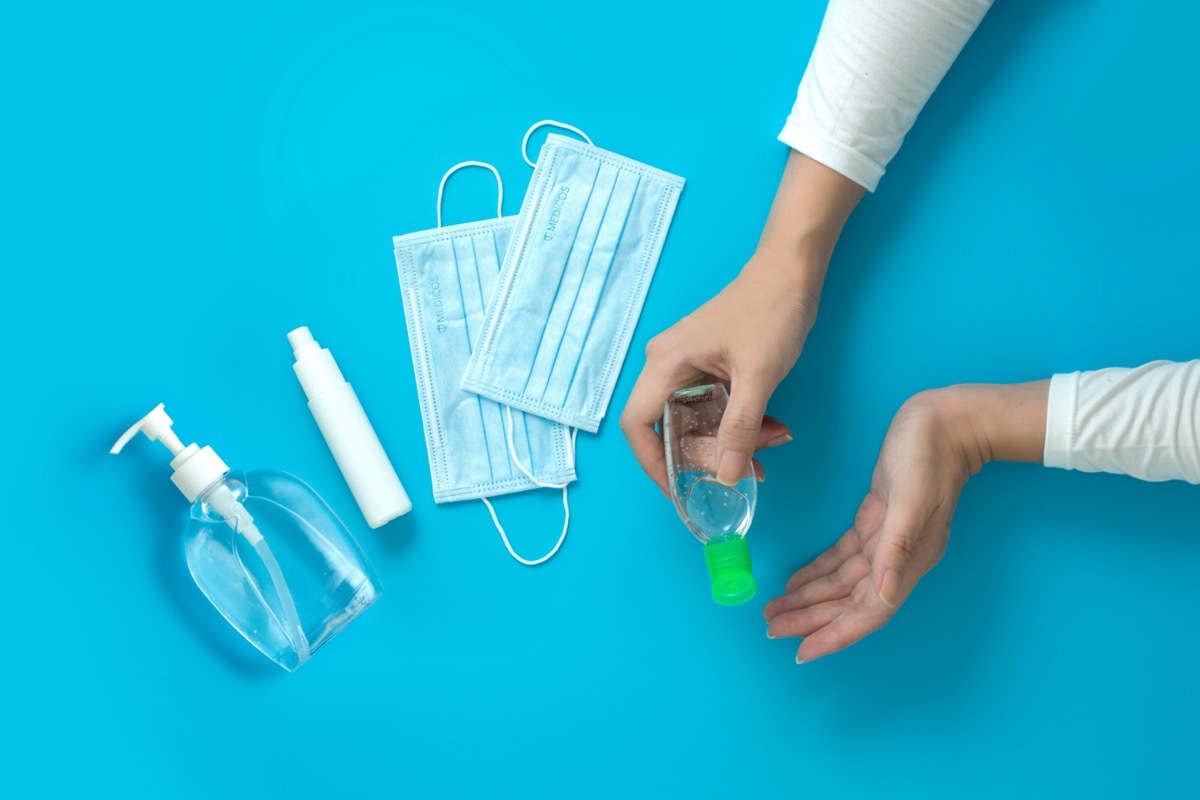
(572, 284)
(477, 447)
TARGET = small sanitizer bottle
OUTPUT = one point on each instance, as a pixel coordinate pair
(265, 549)
(718, 515)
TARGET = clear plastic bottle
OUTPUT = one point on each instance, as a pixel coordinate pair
(266, 550)
(718, 515)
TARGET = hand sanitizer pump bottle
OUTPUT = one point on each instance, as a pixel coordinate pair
(265, 549)
(716, 514)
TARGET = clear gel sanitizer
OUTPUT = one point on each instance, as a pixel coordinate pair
(718, 515)
(265, 549)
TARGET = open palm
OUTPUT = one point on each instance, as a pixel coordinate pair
(899, 533)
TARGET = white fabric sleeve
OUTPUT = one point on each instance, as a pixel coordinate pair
(1143, 422)
(874, 65)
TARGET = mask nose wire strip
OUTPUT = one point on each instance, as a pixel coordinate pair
(463, 165)
(553, 123)
(566, 506)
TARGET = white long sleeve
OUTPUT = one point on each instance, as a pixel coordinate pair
(1143, 422)
(875, 64)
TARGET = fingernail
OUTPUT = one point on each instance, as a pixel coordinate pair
(769, 636)
(889, 590)
(732, 467)
(778, 440)
(800, 661)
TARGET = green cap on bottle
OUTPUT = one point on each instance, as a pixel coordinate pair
(729, 568)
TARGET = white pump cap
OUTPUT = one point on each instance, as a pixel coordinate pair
(195, 468)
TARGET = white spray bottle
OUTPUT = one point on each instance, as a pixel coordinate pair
(265, 549)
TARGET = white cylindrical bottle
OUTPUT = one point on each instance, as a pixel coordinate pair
(348, 432)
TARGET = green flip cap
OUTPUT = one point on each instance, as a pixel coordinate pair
(728, 560)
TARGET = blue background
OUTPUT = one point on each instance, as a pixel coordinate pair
(183, 185)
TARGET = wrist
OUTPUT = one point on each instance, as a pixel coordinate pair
(994, 422)
(785, 277)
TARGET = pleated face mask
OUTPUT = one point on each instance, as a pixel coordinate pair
(572, 284)
(477, 447)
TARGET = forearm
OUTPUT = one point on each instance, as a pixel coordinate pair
(810, 209)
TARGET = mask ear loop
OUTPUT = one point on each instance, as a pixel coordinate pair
(507, 546)
(512, 452)
(556, 124)
(463, 165)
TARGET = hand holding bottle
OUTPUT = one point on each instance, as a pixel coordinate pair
(750, 334)
(717, 513)
(936, 442)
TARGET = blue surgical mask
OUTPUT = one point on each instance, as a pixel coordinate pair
(477, 447)
(572, 284)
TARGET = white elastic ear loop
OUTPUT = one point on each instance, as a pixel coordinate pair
(507, 546)
(566, 506)
(556, 124)
(462, 165)
(512, 452)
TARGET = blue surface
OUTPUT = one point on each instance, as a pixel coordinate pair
(184, 186)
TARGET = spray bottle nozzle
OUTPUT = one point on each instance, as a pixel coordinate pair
(302, 342)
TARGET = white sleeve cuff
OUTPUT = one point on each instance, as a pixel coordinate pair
(873, 67)
(1060, 421)
(835, 155)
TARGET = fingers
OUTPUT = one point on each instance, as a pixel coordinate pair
(772, 433)
(833, 618)
(838, 584)
(844, 630)
(828, 561)
(643, 409)
(740, 428)
(894, 572)
(853, 542)
(658, 379)
(760, 473)
(835, 601)
(804, 621)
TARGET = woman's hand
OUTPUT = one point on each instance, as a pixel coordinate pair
(750, 334)
(936, 442)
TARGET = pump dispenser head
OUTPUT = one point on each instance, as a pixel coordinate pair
(195, 468)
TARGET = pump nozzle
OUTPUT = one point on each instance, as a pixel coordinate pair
(157, 427)
(195, 468)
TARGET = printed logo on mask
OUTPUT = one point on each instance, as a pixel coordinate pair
(439, 310)
(560, 200)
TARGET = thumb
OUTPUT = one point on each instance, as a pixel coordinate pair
(737, 436)
(893, 568)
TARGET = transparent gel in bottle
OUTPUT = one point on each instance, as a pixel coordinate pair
(265, 549)
(718, 515)
(280, 567)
